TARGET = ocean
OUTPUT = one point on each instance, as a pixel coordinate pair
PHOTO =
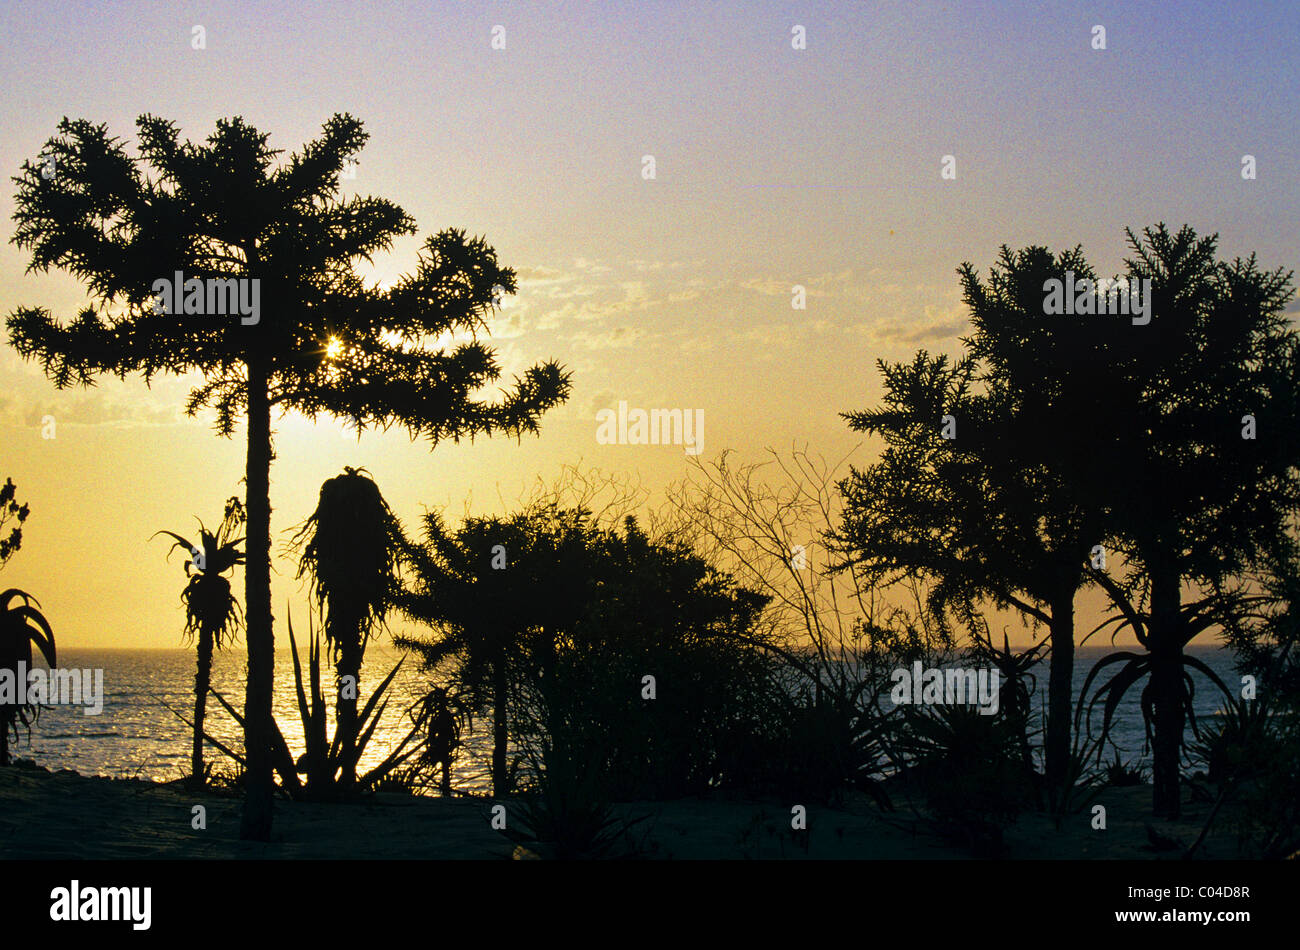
(138, 736)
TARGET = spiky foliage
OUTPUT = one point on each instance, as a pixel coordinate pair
(1016, 683)
(1204, 494)
(1253, 751)
(566, 817)
(209, 603)
(983, 512)
(446, 715)
(969, 769)
(498, 592)
(211, 611)
(22, 626)
(325, 343)
(325, 760)
(350, 549)
(1133, 668)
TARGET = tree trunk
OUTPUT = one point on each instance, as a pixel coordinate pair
(1060, 690)
(259, 782)
(346, 707)
(499, 736)
(1166, 693)
(202, 679)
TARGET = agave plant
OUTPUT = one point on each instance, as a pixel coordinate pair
(325, 761)
(350, 548)
(1017, 682)
(21, 627)
(566, 818)
(211, 611)
(969, 769)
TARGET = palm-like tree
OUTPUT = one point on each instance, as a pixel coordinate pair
(21, 627)
(350, 548)
(211, 610)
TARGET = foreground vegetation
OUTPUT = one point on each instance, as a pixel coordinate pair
(743, 640)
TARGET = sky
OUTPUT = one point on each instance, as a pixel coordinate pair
(774, 166)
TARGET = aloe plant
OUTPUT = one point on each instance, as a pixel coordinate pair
(566, 817)
(21, 628)
(211, 611)
(1137, 666)
(350, 548)
(326, 760)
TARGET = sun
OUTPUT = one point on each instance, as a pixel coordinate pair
(333, 348)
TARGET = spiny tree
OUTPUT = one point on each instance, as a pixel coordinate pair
(323, 342)
(963, 515)
(989, 482)
(1040, 473)
(1206, 465)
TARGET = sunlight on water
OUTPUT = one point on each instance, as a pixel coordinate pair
(138, 736)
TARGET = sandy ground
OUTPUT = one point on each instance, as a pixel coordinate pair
(59, 815)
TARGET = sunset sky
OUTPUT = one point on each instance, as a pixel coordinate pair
(774, 167)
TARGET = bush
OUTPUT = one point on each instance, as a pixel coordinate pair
(699, 732)
(969, 771)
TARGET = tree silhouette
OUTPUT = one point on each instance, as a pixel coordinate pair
(995, 514)
(324, 343)
(1201, 493)
(1078, 429)
(661, 609)
(498, 591)
(557, 636)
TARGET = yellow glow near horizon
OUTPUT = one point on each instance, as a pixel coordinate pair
(776, 167)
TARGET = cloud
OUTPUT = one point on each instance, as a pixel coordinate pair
(617, 338)
(935, 331)
(601, 400)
